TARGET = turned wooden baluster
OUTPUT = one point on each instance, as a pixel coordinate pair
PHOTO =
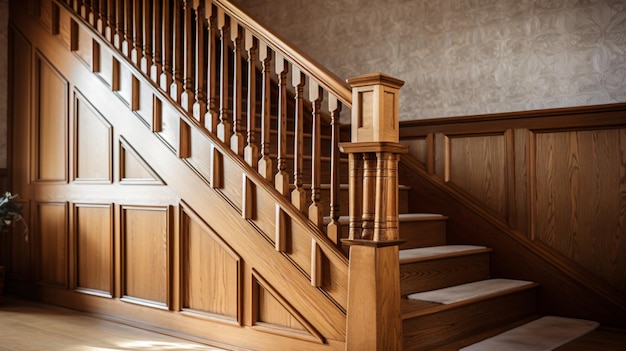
(118, 37)
(200, 105)
(316, 95)
(147, 59)
(158, 35)
(369, 196)
(92, 16)
(251, 152)
(111, 21)
(333, 230)
(298, 195)
(224, 127)
(237, 140)
(178, 48)
(212, 115)
(137, 51)
(127, 45)
(265, 163)
(101, 18)
(166, 79)
(187, 98)
(85, 9)
(355, 188)
(281, 180)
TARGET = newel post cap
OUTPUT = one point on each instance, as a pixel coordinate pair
(375, 99)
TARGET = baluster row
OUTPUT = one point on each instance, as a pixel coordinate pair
(217, 70)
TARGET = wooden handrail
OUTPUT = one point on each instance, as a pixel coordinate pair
(326, 79)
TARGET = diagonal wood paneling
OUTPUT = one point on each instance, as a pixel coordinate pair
(93, 143)
(211, 271)
(51, 116)
(578, 211)
(145, 237)
(94, 248)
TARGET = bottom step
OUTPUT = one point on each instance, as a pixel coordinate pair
(543, 334)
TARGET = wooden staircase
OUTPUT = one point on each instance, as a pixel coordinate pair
(426, 262)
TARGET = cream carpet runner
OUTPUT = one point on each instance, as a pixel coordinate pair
(543, 334)
(468, 291)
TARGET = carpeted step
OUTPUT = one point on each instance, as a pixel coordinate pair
(543, 334)
(435, 318)
(469, 291)
(431, 268)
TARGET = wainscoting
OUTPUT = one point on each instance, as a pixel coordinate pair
(554, 181)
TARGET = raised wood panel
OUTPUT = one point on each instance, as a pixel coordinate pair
(211, 271)
(232, 182)
(125, 86)
(106, 65)
(20, 63)
(51, 116)
(45, 13)
(133, 169)
(84, 48)
(200, 157)
(170, 126)
(145, 254)
(579, 211)
(145, 97)
(52, 230)
(478, 165)
(65, 28)
(418, 148)
(94, 248)
(272, 312)
(93, 159)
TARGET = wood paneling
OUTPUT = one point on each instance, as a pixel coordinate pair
(579, 199)
(170, 123)
(94, 248)
(145, 254)
(477, 164)
(551, 183)
(133, 169)
(93, 148)
(85, 47)
(211, 271)
(51, 118)
(52, 242)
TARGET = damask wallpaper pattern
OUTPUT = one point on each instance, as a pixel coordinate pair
(465, 57)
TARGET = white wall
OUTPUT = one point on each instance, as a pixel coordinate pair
(464, 57)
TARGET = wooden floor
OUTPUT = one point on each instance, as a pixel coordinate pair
(30, 326)
(33, 326)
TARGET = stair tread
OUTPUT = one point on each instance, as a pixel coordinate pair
(402, 217)
(469, 291)
(546, 333)
(438, 252)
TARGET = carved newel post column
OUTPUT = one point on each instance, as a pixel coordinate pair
(373, 317)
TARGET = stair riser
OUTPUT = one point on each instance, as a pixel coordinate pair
(426, 332)
(443, 273)
(422, 234)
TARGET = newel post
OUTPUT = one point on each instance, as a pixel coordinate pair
(373, 317)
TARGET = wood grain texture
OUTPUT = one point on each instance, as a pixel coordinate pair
(52, 243)
(477, 164)
(51, 123)
(94, 248)
(579, 206)
(93, 148)
(568, 174)
(145, 254)
(211, 271)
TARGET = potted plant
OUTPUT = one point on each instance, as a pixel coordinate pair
(10, 213)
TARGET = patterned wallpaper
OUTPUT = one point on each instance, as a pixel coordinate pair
(465, 57)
